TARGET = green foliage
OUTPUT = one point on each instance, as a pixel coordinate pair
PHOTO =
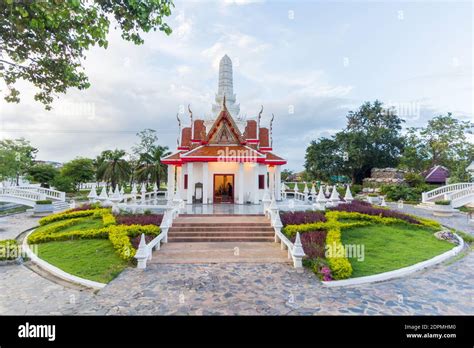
(44, 202)
(9, 249)
(43, 173)
(443, 202)
(286, 173)
(414, 179)
(442, 142)
(63, 183)
(371, 139)
(16, 156)
(79, 170)
(71, 215)
(112, 167)
(45, 42)
(397, 192)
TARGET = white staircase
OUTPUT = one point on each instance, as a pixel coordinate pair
(60, 206)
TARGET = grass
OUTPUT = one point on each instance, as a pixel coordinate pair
(93, 259)
(21, 209)
(391, 247)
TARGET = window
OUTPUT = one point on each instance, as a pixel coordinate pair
(185, 181)
(261, 182)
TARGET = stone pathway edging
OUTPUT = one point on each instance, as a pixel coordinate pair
(401, 272)
(57, 271)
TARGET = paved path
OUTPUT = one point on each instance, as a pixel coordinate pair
(246, 289)
(458, 221)
(12, 225)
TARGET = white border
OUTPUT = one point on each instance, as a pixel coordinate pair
(401, 272)
(55, 270)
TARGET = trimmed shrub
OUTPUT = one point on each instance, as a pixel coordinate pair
(44, 202)
(301, 217)
(366, 208)
(313, 243)
(101, 233)
(139, 219)
(443, 202)
(9, 250)
(108, 219)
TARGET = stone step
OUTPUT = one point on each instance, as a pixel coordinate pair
(220, 234)
(237, 228)
(197, 239)
(223, 252)
(177, 223)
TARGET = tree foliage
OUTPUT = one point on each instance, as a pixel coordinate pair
(43, 42)
(16, 158)
(372, 138)
(43, 173)
(79, 170)
(113, 167)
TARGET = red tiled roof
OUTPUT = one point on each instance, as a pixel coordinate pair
(224, 120)
(251, 130)
(199, 130)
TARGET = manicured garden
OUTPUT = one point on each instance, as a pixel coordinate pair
(91, 242)
(358, 239)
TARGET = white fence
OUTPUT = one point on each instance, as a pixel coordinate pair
(47, 193)
(145, 251)
(443, 192)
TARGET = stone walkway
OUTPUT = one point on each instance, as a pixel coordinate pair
(245, 289)
(12, 225)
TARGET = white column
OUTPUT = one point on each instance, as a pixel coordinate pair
(170, 185)
(278, 182)
(240, 187)
(179, 183)
(271, 170)
(255, 183)
(190, 192)
(205, 182)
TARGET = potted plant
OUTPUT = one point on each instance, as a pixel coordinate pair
(43, 207)
(443, 208)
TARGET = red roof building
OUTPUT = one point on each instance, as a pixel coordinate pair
(221, 162)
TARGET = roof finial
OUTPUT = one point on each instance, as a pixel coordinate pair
(223, 103)
(271, 128)
(178, 139)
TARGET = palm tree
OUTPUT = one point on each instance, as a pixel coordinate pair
(150, 167)
(113, 167)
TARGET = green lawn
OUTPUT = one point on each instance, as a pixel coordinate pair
(93, 259)
(391, 247)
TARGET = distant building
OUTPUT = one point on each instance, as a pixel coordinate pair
(56, 165)
(436, 175)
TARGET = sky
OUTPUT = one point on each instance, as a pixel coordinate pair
(307, 62)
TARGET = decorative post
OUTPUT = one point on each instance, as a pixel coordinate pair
(348, 196)
(328, 193)
(306, 192)
(111, 191)
(143, 193)
(298, 252)
(277, 225)
(266, 201)
(383, 204)
(134, 193)
(313, 193)
(321, 199)
(273, 209)
(142, 253)
(92, 195)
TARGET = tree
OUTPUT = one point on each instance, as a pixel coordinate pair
(442, 142)
(372, 138)
(16, 157)
(44, 42)
(286, 173)
(148, 139)
(43, 173)
(112, 167)
(64, 183)
(79, 170)
(150, 167)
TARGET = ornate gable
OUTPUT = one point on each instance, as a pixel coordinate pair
(224, 130)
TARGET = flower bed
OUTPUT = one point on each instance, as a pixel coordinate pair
(139, 219)
(301, 217)
(329, 250)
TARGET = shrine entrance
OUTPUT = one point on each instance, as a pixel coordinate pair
(224, 188)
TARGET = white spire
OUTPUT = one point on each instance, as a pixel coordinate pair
(225, 88)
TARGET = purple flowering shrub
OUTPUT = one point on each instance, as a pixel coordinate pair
(136, 240)
(313, 243)
(366, 208)
(301, 217)
(139, 219)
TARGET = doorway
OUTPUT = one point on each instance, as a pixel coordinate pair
(223, 188)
